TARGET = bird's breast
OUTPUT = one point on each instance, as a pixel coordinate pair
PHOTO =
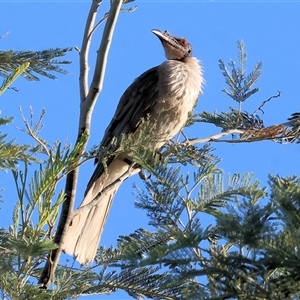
(180, 82)
(179, 86)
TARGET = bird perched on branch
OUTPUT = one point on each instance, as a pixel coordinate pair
(164, 95)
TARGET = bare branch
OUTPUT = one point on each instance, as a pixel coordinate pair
(264, 102)
(273, 132)
(88, 100)
(84, 52)
(213, 138)
(97, 82)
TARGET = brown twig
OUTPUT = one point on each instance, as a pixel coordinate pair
(264, 102)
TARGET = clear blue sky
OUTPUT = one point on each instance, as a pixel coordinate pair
(270, 30)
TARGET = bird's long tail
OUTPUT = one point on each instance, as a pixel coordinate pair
(84, 232)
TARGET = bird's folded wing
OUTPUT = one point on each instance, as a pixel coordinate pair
(136, 102)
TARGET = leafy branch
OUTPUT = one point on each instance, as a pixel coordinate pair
(39, 62)
(238, 82)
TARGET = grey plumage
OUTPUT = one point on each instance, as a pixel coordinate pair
(167, 94)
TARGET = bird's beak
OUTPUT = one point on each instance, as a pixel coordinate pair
(175, 48)
(165, 36)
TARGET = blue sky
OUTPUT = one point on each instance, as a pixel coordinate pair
(270, 30)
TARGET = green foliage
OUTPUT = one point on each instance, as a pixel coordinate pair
(238, 82)
(246, 247)
(24, 246)
(233, 119)
(12, 77)
(11, 153)
(40, 62)
(189, 154)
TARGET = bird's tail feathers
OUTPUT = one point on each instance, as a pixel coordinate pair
(84, 233)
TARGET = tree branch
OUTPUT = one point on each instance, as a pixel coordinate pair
(88, 100)
(273, 132)
(85, 47)
(213, 138)
(88, 103)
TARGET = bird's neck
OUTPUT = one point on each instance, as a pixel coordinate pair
(182, 76)
(195, 71)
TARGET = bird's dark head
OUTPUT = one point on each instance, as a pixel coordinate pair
(175, 48)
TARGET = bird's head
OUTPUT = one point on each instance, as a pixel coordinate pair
(175, 48)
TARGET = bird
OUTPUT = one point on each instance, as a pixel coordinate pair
(165, 95)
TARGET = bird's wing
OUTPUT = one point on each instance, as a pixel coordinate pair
(134, 105)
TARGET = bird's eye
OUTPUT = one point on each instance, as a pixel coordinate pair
(189, 51)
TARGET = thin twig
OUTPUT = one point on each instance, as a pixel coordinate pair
(35, 131)
(3, 36)
(98, 24)
(260, 107)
